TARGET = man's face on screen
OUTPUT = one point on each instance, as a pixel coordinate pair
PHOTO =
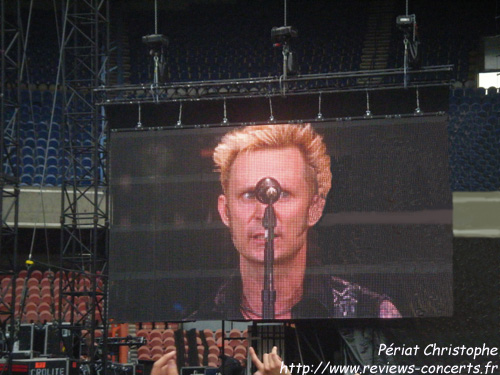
(296, 211)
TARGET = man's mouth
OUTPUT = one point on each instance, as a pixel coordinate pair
(262, 236)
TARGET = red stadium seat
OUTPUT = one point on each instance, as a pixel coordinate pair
(47, 298)
(156, 341)
(156, 357)
(143, 333)
(170, 348)
(31, 306)
(213, 349)
(156, 350)
(210, 341)
(6, 284)
(37, 274)
(45, 316)
(144, 350)
(33, 282)
(212, 360)
(43, 306)
(7, 298)
(240, 349)
(31, 317)
(169, 341)
(218, 334)
(23, 273)
(45, 283)
(167, 333)
(235, 342)
(144, 357)
(34, 289)
(35, 298)
(208, 333)
(155, 333)
(235, 333)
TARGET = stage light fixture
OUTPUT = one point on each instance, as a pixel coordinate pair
(281, 37)
(408, 25)
(283, 34)
(156, 44)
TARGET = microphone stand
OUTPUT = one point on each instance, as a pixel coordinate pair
(268, 293)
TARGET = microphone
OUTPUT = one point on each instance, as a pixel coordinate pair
(268, 190)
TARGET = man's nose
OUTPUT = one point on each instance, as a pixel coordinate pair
(260, 208)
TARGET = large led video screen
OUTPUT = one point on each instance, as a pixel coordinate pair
(342, 219)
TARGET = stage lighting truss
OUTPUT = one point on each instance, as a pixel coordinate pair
(363, 80)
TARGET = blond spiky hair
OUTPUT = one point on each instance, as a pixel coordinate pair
(252, 138)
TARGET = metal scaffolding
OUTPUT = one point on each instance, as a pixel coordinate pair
(364, 80)
(11, 43)
(84, 241)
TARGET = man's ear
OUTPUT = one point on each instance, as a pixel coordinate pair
(223, 209)
(315, 210)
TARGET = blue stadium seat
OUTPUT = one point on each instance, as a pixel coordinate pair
(28, 169)
(492, 90)
(41, 143)
(52, 152)
(27, 151)
(53, 170)
(26, 179)
(37, 180)
(51, 180)
(28, 160)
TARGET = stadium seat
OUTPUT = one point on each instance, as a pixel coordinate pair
(155, 333)
(155, 341)
(46, 316)
(143, 333)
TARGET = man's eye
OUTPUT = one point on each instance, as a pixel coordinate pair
(284, 194)
(249, 195)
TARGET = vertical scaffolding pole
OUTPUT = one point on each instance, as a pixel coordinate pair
(10, 55)
(84, 241)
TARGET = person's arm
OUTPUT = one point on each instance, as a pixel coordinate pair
(165, 365)
(271, 363)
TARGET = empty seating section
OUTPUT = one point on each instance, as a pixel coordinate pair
(40, 294)
(474, 131)
(238, 45)
(208, 344)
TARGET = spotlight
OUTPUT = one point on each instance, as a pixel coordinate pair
(281, 37)
(408, 25)
(155, 42)
(405, 20)
(283, 34)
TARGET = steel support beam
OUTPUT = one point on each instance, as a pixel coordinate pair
(10, 55)
(84, 242)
